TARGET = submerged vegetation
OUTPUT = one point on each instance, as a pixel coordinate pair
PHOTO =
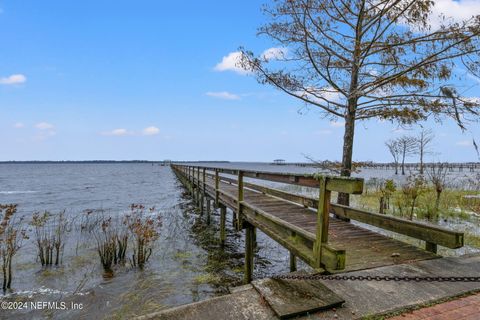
(144, 231)
(111, 235)
(139, 225)
(50, 231)
(12, 234)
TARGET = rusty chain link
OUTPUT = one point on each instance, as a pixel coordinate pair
(375, 278)
(366, 278)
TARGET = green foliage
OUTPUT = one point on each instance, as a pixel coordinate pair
(454, 203)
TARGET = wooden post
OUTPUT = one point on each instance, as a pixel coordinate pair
(208, 210)
(248, 253)
(191, 183)
(202, 207)
(203, 181)
(322, 221)
(198, 186)
(217, 187)
(239, 199)
(234, 219)
(431, 247)
(223, 215)
(293, 262)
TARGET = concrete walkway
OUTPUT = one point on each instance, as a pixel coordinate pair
(362, 298)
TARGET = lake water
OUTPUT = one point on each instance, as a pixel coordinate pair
(187, 264)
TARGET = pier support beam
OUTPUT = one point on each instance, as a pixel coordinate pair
(208, 210)
(293, 262)
(249, 252)
(223, 216)
(431, 247)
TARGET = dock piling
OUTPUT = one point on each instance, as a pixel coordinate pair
(208, 210)
(249, 239)
(293, 262)
(223, 214)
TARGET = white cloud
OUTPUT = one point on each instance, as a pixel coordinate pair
(121, 132)
(453, 10)
(337, 124)
(13, 79)
(44, 126)
(316, 95)
(323, 132)
(117, 132)
(18, 125)
(44, 135)
(231, 63)
(223, 95)
(274, 54)
(464, 143)
(150, 131)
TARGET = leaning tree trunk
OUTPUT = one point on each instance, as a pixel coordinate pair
(344, 198)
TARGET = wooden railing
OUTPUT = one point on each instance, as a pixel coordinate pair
(432, 235)
(312, 248)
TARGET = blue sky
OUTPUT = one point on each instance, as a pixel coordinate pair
(122, 80)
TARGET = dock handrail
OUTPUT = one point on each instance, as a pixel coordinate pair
(322, 255)
(432, 235)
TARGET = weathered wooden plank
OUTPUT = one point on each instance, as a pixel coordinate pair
(436, 235)
(432, 234)
(331, 257)
(335, 183)
(288, 222)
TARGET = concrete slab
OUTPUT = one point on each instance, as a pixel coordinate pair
(366, 298)
(363, 298)
(240, 288)
(243, 305)
(290, 298)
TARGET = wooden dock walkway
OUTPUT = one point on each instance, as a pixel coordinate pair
(314, 230)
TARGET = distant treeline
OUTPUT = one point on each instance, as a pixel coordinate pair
(83, 161)
(105, 161)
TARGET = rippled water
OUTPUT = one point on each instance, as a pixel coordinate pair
(187, 265)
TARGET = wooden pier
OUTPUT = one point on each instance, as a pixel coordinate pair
(312, 229)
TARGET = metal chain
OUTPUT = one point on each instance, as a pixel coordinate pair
(366, 278)
(376, 278)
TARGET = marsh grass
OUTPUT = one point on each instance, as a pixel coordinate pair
(12, 234)
(50, 236)
(452, 204)
(139, 226)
